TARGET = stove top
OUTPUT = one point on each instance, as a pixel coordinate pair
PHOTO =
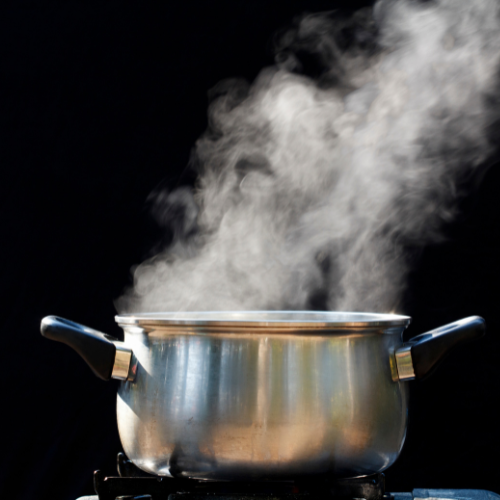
(133, 484)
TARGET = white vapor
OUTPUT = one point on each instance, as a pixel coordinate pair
(311, 186)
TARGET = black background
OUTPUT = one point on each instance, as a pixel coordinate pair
(100, 103)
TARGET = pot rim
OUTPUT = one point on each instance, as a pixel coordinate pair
(266, 319)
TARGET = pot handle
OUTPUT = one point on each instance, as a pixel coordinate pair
(420, 356)
(106, 355)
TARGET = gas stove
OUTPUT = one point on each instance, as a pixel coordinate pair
(134, 484)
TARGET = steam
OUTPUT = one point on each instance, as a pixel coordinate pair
(314, 179)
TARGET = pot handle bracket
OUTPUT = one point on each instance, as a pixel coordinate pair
(419, 357)
(106, 355)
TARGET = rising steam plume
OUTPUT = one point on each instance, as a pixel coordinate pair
(314, 179)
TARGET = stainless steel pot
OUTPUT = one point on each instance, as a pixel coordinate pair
(262, 395)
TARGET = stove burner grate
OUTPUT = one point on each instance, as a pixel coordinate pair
(132, 483)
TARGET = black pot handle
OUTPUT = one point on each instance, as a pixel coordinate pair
(106, 355)
(417, 358)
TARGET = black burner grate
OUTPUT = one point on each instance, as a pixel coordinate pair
(134, 484)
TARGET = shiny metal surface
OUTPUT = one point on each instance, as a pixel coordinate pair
(265, 319)
(262, 395)
(404, 363)
(238, 401)
(121, 365)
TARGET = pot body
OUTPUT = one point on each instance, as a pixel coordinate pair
(232, 403)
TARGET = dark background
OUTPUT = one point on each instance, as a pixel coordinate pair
(100, 103)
